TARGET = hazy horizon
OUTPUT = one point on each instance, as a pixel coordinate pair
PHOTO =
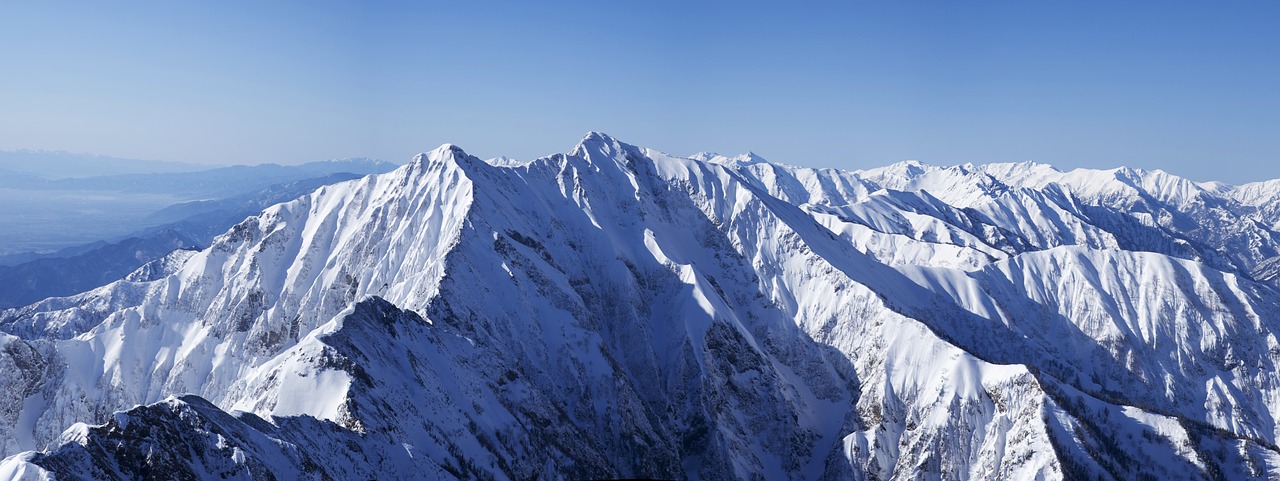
(196, 167)
(1183, 87)
(191, 163)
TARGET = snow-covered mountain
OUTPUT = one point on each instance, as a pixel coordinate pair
(619, 312)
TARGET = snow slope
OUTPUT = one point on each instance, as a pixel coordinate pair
(619, 312)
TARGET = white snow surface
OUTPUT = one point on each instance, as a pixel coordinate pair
(619, 312)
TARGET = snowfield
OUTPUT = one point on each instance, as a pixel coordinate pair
(617, 312)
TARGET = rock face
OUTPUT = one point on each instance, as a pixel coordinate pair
(616, 312)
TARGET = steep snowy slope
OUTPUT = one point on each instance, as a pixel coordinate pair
(617, 312)
(1172, 336)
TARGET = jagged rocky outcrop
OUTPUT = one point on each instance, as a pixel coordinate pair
(617, 312)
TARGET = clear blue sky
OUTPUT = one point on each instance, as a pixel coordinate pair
(1190, 87)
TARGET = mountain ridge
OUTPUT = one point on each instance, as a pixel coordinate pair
(670, 317)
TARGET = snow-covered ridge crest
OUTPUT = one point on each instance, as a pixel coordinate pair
(741, 160)
(1231, 228)
(1086, 183)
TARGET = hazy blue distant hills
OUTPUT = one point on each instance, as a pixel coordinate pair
(57, 164)
(211, 183)
(13, 177)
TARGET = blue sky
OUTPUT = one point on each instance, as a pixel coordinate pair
(1189, 87)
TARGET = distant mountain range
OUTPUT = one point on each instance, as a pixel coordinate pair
(617, 312)
(47, 164)
(208, 183)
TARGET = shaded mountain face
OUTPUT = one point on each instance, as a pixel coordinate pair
(616, 312)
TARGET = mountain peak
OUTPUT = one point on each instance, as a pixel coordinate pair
(597, 140)
(750, 158)
(594, 136)
(704, 156)
(504, 161)
(444, 153)
(448, 149)
(906, 169)
(600, 144)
